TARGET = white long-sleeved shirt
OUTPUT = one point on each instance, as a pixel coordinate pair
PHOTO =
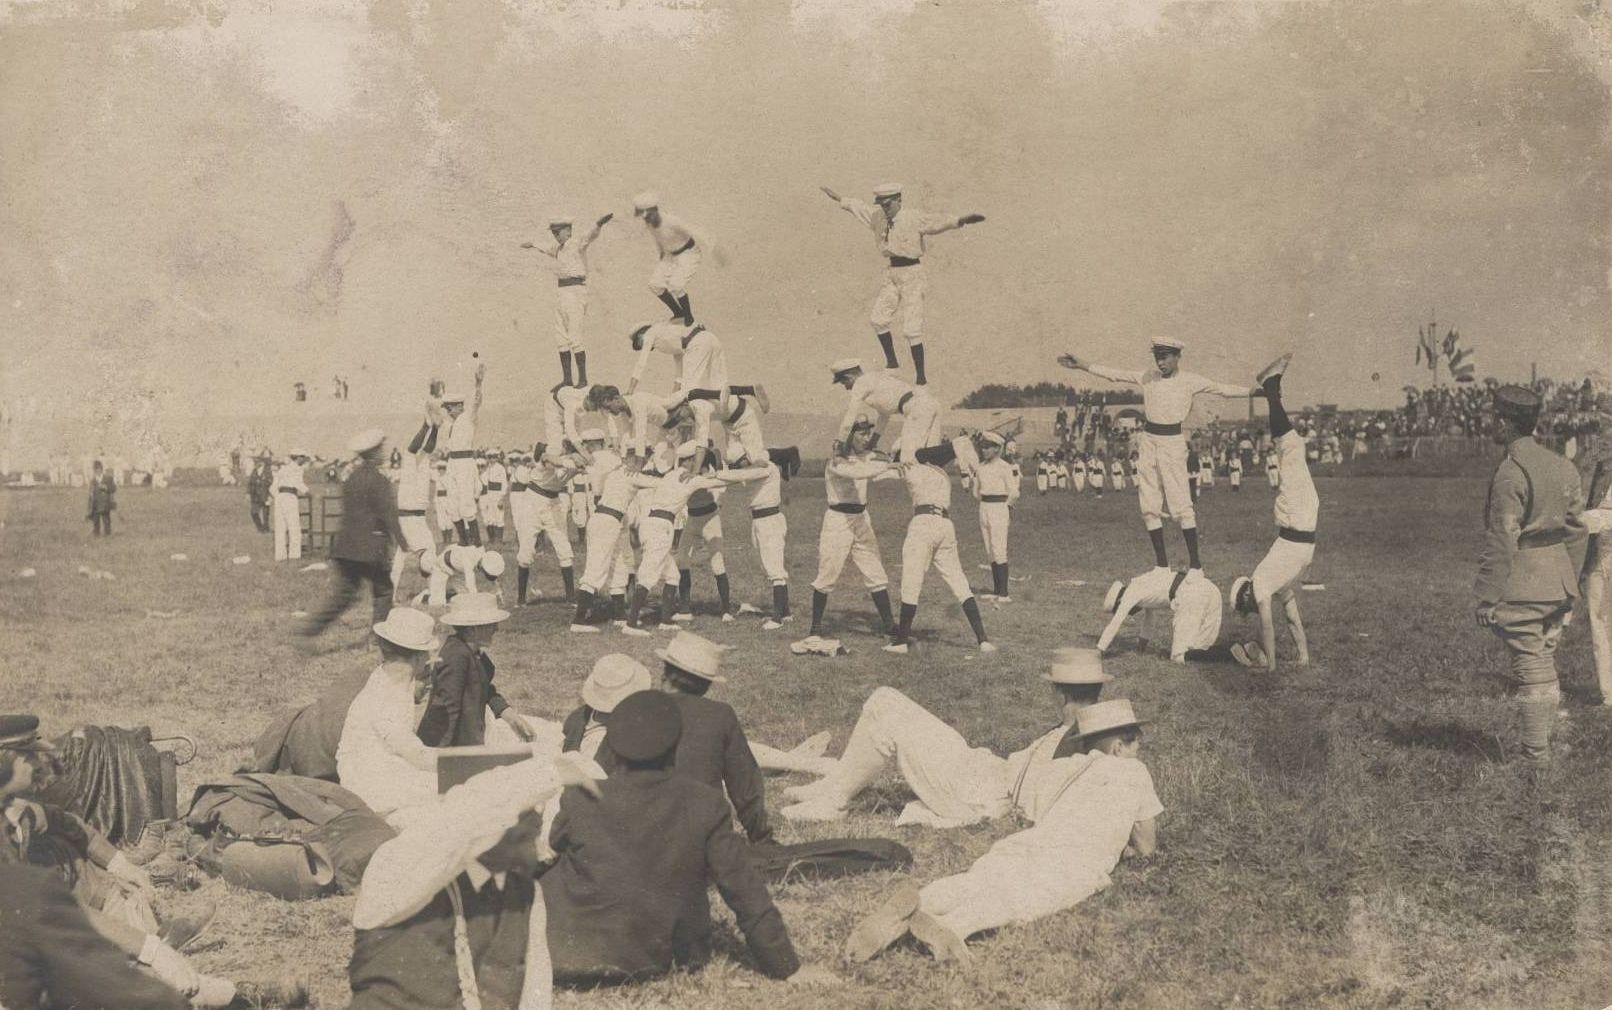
(670, 493)
(1167, 401)
(880, 390)
(611, 481)
(701, 361)
(414, 483)
(289, 475)
(571, 257)
(768, 481)
(996, 478)
(905, 235)
(929, 485)
(845, 479)
(379, 757)
(571, 402)
(1194, 604)
(647, 413)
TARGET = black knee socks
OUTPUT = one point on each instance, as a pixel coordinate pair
(976, 624)
(881, 602)
(918, 363)
(819, 606)
(1280, 425)
(888, 343)
(1159, 557)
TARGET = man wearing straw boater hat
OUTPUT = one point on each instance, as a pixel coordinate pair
(381, 758)
(713, 748)
(627, 895)
(462, 689)
(956, 784)
(1088, 810)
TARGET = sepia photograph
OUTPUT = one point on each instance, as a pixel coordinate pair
(1166, 447)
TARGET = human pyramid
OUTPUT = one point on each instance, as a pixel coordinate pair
(588, 858)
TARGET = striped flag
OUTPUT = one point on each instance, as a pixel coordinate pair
(1427, 347)
(1458, 358)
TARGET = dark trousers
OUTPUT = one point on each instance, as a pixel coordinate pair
(349, 575)
(260, 517)
(103, 523)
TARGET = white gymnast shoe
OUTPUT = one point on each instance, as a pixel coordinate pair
(584, 629)
(987, 647)
(682, 618)
(899, 648)
(749, 608)
(635, 632)
(1276, 367)
(727, 617)
(770, 625)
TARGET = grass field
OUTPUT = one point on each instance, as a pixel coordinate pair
(1350, 834)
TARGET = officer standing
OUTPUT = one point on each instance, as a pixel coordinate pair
(362, 550)
(259, 489)
(1528, 571)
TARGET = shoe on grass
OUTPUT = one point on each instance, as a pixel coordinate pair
(885, 924)
(584, 629)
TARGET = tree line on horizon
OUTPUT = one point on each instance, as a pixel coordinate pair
(998, 395)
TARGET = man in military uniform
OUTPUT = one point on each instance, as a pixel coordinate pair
(1528, 572)
(259, 490)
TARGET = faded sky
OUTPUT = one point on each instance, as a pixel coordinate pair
(196, 211)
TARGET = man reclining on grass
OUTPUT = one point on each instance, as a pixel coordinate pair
(1089, 810)
(956, 784)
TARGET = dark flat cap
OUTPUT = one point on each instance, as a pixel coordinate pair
(20, 732)
(645, 725)
(1517, 401)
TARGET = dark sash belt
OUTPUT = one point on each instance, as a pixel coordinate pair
(1541, 538)
(901, 404)
(696, 511)
(1175, 583)
(286, 490)
(495, 487)
(763, 513)
(1161, 429)
(1297, 536)
(733, 418)
(410, 512)
(462, 454)
(994, 499)
(931, 510)
(545, 492)
(685, 247)
(571, 282)
(903, 261)
(518, 486)
(607, 510)
(705, 394)
(850, 508)
(663, 514)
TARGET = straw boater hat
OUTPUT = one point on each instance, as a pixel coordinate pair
(364, 441)
(1077, 666)
(1105, 716)
(467, 610)
(412, 629)
(844, 365)
(645, 726)
(693, 654)
(612, 679)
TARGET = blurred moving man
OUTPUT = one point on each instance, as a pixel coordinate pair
(1167, 396)
(1528, 573)
(900, 238)
(570, 256)
(362, 548)
(678, 256)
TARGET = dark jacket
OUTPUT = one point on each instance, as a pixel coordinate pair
(411, 966)
(51, 957)
(102, 490)
(714, 750)
(461, 692)
(1535, 537)
(627, 897)
(369, 526)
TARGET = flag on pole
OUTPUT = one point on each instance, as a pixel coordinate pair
(1427, 347)
(1458, 358)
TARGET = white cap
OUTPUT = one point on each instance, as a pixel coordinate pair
(645, 200)
(591, 435)
(886, 190)
(1169, 342)
(992, 438)
(493, 564)
(559, 222)
(687, 450)
(454, 397)
(843, 365)
(366, 440)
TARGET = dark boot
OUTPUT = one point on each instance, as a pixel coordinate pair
(582, 368)
(881, 602)
(918, 363)
(565, 366)
(888, 344)
(819, 606)
(523, 575)
(568, 576)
